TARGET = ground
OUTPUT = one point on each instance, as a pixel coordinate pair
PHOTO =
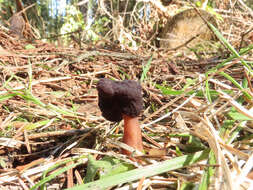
(49, 115)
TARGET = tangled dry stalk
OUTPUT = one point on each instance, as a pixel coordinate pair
(49, 113)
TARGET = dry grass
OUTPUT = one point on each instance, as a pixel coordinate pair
(50, 121)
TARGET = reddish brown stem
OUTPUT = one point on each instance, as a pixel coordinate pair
(132, 134)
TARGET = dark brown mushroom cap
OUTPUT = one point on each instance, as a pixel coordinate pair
(116, 98)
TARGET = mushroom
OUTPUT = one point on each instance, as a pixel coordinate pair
(122, 100)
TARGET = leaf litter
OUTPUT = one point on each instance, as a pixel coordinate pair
(53, 134)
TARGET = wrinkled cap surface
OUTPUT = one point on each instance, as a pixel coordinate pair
(119, 97)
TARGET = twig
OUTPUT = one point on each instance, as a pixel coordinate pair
(56, 134)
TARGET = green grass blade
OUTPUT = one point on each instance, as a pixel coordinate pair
(227, 61)
(26, 95)
(147, 171)
(35, 125)
(146, 69)
(231, 80)
(236, 84)
(53, 175)
(42, 184)
(169, 91)
(124, 74)
(221, 38)
(229, 46)
(58, 172)
(7, 96)
(5, 84)
(206, 178)
(60, 110)
(208, 95)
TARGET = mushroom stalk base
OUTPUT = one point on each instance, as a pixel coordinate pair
(132, 134)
